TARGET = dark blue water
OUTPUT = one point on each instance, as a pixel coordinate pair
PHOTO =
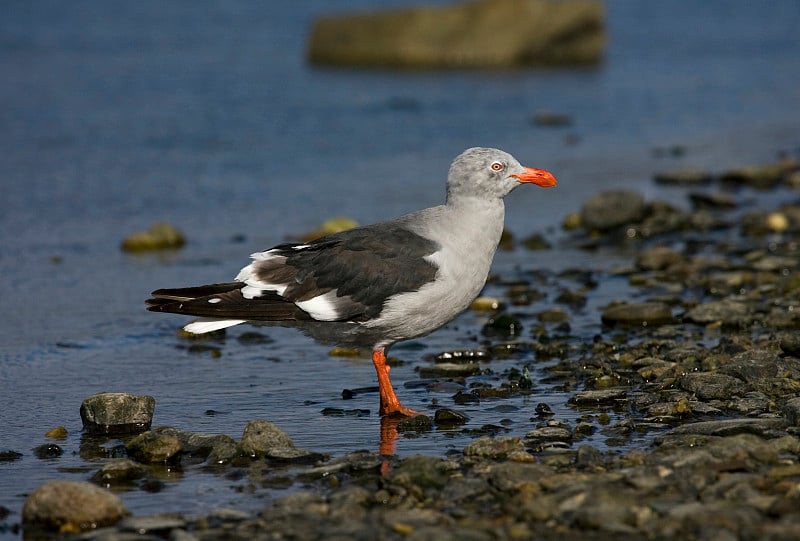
(114, 115)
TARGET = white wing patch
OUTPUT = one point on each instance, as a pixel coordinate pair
(322, 307)
(210, 324)
(255, 287)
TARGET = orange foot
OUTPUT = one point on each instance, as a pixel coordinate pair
(390, 404)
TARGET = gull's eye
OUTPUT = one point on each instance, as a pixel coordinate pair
(498, 166)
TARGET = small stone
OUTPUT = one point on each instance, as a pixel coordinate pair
(117, 413)
(119, 471)
(725, 311)
(684, 177)
(160, 525)
(71, 507)
(756, 176)
(154, 447)
(713, 201)
(57, 433)
(777, 222)
(485, 304)
(554, 315)
(658, 258)
(611, 209)
(160, 236)
(7, 455)
(417, 423)
(445, 417)
(639, 314)
(449, 370)
(497, 448)
(536, 242)
(603, 396)
(551, 119)
(502, 325)
(48, 450)
(260, 437)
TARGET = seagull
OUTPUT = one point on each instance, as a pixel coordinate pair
(375, 285)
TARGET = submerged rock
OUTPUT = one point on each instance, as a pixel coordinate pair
(117, 413)
(641, 313)
(154, 446)
(71, 507)
(477, 34)
(160, 236)
(612, 209)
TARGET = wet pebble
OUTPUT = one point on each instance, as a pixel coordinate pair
(71, 507)
(117, 413)
(684, 177)
(639, 314)
(612, 209)
(160, 236)
(154, 447)
(445, 417)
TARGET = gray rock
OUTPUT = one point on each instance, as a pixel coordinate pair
(445, 417)
(791, 410)
(476, 34)
(638, 314)
(711, 385)
(71, 506)
(600, 396)
(684, 177)
(119, 471)
(658, 258)
(117, 413)
(770, 427)
(154, 447)
(752, 365)
(263, 439)
(261, 436)
(612, 209)
(153, 524)
(495, 448)
(726, 311)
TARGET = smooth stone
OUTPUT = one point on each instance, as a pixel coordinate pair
(611, 209)
(117, 413)
(601, 396)
(495, 448)
(756, 176)
(725, 311)
(449, 370)
(160, 236)
(476, 34)
(263, 439)
(152, 524)
(769, 427)
(119, 471)
(715, 201)
(638, 314)
(261, 436)
(711, 385)
(154, 447)
(791, 411)
(446, 417)
(658, 258)
(684, 177)
(72, 507)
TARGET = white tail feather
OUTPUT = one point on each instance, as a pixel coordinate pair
(204, 325)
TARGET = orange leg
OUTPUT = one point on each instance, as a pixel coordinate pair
(390, 404)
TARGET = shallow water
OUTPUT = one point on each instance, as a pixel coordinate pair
(118, 115)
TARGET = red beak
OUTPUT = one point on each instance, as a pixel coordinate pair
(540, 177)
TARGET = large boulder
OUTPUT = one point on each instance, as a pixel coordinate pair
(477, 34)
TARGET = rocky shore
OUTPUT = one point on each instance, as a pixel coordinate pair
(701, 364)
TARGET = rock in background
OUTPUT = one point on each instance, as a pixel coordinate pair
(480, 34)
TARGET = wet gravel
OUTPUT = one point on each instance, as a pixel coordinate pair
(692, 383)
